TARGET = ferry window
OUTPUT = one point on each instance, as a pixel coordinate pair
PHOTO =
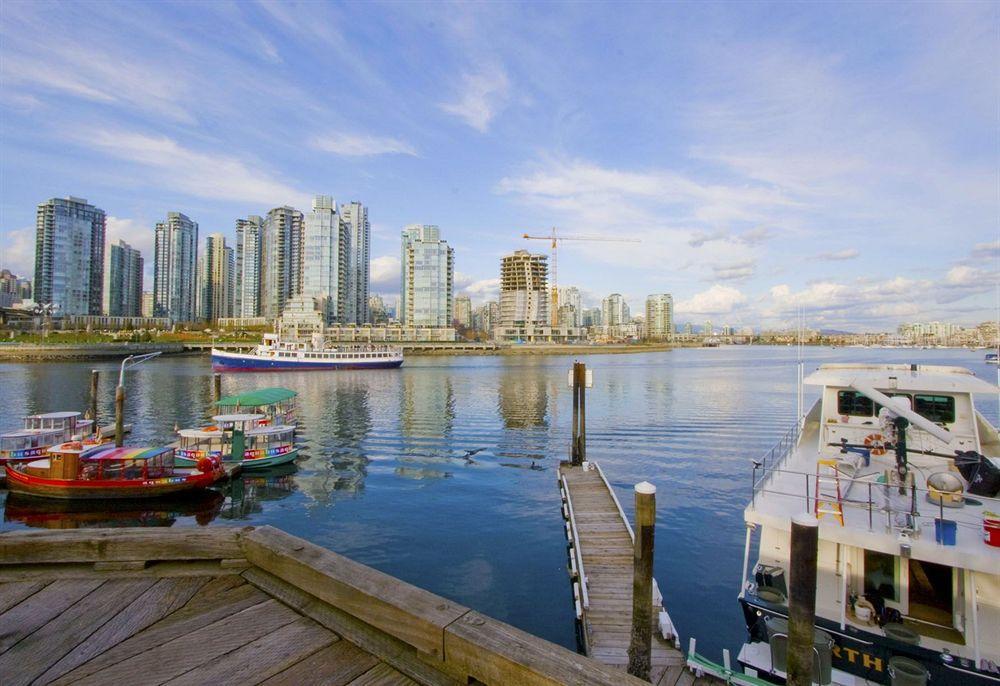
(882, 575)
(937, 408)
(931, 596)
(854, 404)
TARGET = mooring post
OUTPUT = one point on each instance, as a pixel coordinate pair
(95, 377)
(640, 647)
(217, 386)
(119, 416)
(582, 450)
(574, 445)
(802, 599)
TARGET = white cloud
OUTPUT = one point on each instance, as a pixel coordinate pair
(17, 251)
(484, 289)
(739, 271)
(385, 273)
(483, 95)
(718, 299)
(201, 174)
(360, 145)
(846, 254)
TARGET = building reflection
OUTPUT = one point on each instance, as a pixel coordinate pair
(88, 514)
(427, 404)
(523, 396)
(247, 493)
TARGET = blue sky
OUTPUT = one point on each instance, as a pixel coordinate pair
(837, 158)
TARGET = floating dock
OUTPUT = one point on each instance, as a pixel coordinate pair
(601, 568)
(246, 606)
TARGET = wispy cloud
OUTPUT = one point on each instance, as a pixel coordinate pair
(738, 271)
(361, 145)
(483, 95)
(17, 251)
(839, 255)
(385, 274)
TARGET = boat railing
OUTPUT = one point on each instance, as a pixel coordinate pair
(773, 459)
(901, 506)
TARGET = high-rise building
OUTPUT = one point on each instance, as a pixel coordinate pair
(281, 260)
(591, 317)
(427, 277)
(463, 311)
(570, 295)
(707, 329)
(486, 317)
(660, 316)
(689, 328)
(147, 303)
(69, 256)
(122, 281)
(355, 215)
(378, 312)
(175, 268)
(614, 311)
(249, 240)
(216, 284)
(12, 288)
(326, 254)
(524, 293)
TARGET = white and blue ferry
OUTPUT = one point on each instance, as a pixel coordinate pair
(275, 354)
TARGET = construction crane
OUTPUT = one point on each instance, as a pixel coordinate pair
(555, 238)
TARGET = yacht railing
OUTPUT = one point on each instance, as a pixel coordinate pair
(773, 459)
(877, 500)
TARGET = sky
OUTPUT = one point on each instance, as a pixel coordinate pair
(838, 162)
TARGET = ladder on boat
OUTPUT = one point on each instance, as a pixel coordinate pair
(828, 499)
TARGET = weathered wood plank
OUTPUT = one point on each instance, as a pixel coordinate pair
(35, 653)
(260, 659)
(203, 609)
(383, 675)
(335, 665)
(165, 596)
(12, 593)
(103, 545)
(497, 653)
(409, 613)
(37, 610)
(85, 570)
(400, 655)
(195, 649)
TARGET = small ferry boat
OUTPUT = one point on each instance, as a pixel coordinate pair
(992, 358)
(902, 474)
(276, 404)
(248, 439)
(77, 471)
(41, 431)
(276, 354)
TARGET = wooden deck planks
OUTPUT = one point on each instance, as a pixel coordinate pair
(38, 609)
(335, 665)
(383, 675)
(14, 592)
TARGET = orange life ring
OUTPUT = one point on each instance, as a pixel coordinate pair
(875, 443)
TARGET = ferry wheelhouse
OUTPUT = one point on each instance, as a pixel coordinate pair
(42, 431)
(249, 439)
(77, 471)
(276, 354)
(276, 404)
(901, 472)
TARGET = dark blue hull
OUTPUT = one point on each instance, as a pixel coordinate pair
(229, 363)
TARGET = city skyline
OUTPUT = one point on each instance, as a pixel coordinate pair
(810, 166)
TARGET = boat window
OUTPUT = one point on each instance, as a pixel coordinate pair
(937, 408)
(882, 575)
(854, 404)
(931, 597)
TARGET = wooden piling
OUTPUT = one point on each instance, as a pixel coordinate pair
(119, 416)
(641, 643)
(583, 413)
(574, 446)
(802, 599)
(95, 377)
(217, 386)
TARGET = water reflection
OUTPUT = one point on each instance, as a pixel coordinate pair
(86, 514)
(246, 493)
(523, 398)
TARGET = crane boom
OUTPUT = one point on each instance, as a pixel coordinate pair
(555, 238)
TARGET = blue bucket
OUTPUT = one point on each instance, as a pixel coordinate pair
(945, 531)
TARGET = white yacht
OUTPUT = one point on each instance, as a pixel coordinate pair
(276, 353)
(902, 473)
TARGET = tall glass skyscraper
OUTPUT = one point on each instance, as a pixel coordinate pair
(69, 256)
(660, 316)
(174, 268)
(249, 240)
(281, 260)
(355, 215)
(122, 281)
(428, 274)
(326, 263)
(215, 279)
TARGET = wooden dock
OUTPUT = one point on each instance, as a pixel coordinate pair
(601, 567)
(246, 606)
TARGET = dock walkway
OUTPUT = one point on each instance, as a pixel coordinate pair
(601, 552)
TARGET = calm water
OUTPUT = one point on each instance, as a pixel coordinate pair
(444, 472)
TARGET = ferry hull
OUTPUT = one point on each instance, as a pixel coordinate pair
(232, 362)
(255, 463)
(74, 489)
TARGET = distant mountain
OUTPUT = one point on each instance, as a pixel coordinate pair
(835, 332)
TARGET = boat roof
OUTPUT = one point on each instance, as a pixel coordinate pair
(262, 396)
(903, 377)
(265, 430)
(53, 415)
(130, 453)
(238, 417)
(206, 432)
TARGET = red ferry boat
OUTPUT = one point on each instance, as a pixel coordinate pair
(78, 471)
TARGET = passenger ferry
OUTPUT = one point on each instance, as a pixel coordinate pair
(275, 354)
(40, 432)
(249, 439)
(901, 472)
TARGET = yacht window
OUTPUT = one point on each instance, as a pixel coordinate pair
(937, 408)
(931, 598)
(882, 575)
(854, 404)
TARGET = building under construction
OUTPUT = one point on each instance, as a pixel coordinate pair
(524, 290)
